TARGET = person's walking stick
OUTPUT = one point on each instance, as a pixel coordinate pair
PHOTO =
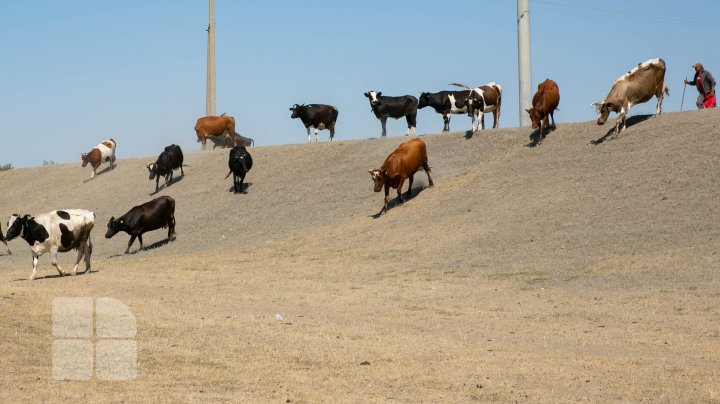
(683, 96)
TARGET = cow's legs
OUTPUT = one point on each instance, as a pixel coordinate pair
(620, 120)
(88, 254)
(130, 243)
(399, 190)
(482, 120)
(308, 131)
(385, 204)
(171, 228)
(332, 133)
(412, 123)
(34, 262)
(142, 247)
(53, 256)
(6, 246)
(316, 135)
(81, 252)
(496, 116)
(410, 181)
(157, 183)
(383, 121)
(242, 180)
(446, 123)
(553, 120)
(182, 173)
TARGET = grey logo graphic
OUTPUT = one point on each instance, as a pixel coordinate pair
(93, 337)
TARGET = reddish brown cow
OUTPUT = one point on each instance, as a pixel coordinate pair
(103, 152)
(216, 126)
(403, 163)
(545, 102)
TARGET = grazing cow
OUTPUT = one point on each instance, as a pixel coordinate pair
(318, 116)
(222, 125)
(239, 162)
(545, 102)
(394, 107)
(239, 140)
(102, 153)
(170, 159)
(57, 231)
(445, 103)
(403, 163)
(480, 101)
(2, 238)
(158, 213)
(634, 87)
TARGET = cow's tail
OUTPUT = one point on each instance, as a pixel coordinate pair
(666, 90)
(186, 165)
(460, 85)
(228, 175)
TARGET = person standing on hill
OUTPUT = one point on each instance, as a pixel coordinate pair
(706, 86)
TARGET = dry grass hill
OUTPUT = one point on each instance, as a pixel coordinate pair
(565, 272)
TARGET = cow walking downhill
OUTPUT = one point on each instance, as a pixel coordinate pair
(545, 102)
(239, 162)
(385, 107)
(102, 153)
(400, 165)
(634, 87)
(318, 116)
(153, 215)
(57, 231)
(169, 160)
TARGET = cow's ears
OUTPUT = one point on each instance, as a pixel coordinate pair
(120, 221)
(367, 95)
(28, 217)
(379, 93)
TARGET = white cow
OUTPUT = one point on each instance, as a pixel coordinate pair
(104, 152)
(57, 231)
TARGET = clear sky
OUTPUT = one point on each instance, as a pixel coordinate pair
(75, 72)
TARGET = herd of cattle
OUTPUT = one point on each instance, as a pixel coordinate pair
(69, 229)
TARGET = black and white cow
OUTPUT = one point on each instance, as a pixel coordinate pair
(153, 215)
(239, 162)
(445, 103)
(385, 107)
(480, 101)
(57, 231)
(170, 159)
(318, 116)
(2, 238)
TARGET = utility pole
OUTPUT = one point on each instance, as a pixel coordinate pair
(524, 67)
(210, 90)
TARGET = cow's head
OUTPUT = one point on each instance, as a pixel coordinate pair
(295, 111)
(534, 117)
(114, 226)
(603, 110)
(373, 96)
(378, 178)
(152, 168)
(15, 225)
(424, 100)
(84, 158)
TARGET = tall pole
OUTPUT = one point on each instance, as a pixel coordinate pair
(524, 69)
(210, 91)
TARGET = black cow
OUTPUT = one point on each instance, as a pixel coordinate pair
(445, 103)
(170, 159)
(318, 116)
(239, 162)
(394, 107)
(158, 213)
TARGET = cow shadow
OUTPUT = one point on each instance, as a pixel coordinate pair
(101, 172)
(244, 189)
(393, 202)
(163, 186)
(631, 121)
(536, 138)
(56, 275)
(145, 248)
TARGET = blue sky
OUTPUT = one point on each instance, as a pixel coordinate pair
(76, 72)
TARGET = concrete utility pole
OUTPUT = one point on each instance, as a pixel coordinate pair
(524, 67)
(210, 91)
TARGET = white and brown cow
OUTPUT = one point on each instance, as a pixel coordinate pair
(102, 153)
(634, 87)
(57, 231)
(482, 100)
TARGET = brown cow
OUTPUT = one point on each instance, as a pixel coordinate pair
(545, 102)
(104, 152)
(403, 163)
(632, 88)
(222, 125)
